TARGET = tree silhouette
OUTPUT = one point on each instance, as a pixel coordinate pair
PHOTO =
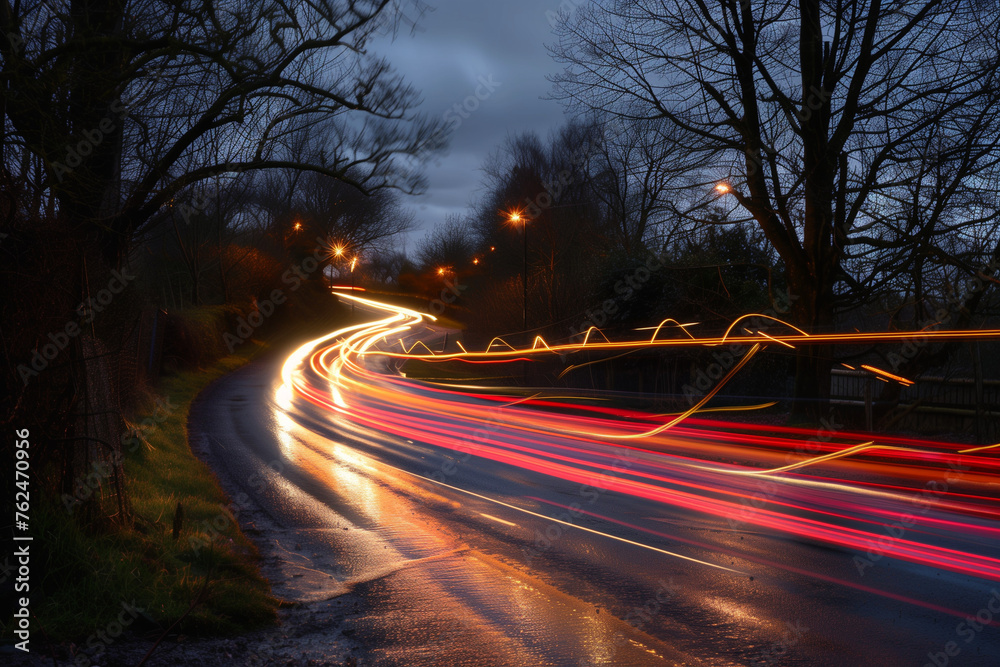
(812, 113)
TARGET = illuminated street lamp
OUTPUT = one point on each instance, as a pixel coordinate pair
(353, 263)
(516, 218)
(723, 188)
(336, 251)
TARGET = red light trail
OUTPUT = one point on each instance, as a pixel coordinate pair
(844, 491)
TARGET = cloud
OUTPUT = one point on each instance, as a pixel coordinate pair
(458, 44)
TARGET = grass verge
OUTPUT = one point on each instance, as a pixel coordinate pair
(92, 579)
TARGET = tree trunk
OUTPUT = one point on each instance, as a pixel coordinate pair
(812, 311)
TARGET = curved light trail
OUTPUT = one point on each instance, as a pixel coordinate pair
(843, 489)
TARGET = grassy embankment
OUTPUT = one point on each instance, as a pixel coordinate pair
(207, 580)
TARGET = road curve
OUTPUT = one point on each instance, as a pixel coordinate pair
(476, 528)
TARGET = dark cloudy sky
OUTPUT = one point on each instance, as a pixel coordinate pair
(457, 45)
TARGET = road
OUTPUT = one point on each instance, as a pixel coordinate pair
(480, 528)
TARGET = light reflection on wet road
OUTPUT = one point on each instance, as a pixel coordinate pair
(503, 541)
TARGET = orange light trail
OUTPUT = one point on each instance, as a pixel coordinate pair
(887, 374)
(842, 490)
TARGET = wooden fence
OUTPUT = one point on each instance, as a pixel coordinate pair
(931, 405)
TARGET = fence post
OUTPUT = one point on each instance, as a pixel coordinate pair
(868, 404)
(977, 369)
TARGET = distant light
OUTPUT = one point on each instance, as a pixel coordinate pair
(492, 248)
(298, 226)
(338, 250)
(722, 188)
(440, 272)
(353, 262)
(475, 261)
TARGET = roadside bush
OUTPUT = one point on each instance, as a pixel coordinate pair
(193, 338)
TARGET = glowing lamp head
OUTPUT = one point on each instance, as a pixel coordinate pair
(723, 188)
(338, 250)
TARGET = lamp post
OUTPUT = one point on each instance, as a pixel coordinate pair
(353, 262)
(338, 252)
(516, 218)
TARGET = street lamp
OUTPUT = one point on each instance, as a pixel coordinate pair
(338, 252)
(722, 188)
(516, 218)
(353, 262)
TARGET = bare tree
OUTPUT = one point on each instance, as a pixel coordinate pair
(631, 175)
(341, 213)
(804, 110)
(386, 267)
(114, 110)
(548, 184)
(161, 96)
(450, 245)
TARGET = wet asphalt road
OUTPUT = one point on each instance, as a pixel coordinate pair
(460, 574)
